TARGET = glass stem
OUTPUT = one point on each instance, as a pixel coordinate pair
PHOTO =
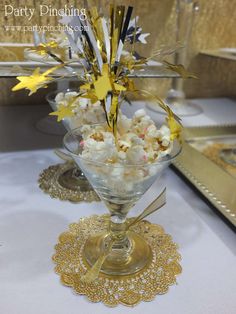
(122, 245)
(185, 16)
(118, 227)
(78, 174)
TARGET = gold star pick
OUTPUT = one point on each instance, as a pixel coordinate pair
(103, 84)
(174, 126)
(65, 111)
(35, 81)
(62, 112)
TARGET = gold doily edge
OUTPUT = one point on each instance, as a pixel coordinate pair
(69, 280)
(49, 184)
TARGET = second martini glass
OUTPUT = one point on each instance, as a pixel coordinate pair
(72, 178)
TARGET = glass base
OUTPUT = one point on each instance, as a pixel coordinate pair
(74, 179)
(124, 260)
(183, 108)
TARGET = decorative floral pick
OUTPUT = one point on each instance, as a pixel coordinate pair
(98, 45)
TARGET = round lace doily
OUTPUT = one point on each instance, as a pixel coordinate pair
(129, 290)
(49, 182)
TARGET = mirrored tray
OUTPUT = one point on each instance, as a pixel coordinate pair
(208, 161)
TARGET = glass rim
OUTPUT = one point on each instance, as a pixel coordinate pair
(161, 161)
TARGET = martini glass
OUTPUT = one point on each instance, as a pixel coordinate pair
(119, 186)
(176, 98)
(186, 10)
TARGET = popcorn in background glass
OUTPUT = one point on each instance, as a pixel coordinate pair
(84, 111)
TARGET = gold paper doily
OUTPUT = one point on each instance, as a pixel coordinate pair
(58, 182)
(128, 290)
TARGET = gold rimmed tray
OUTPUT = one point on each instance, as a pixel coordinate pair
(204, 165)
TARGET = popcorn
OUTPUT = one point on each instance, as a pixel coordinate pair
(141, 121)
(136, 155)
(135, 140)
(165, 130)
(165, 141)
(124, 124)
(124, 146)
(69, 95)
(139, 114)
(121, 155)
(85, 112)
(131, 146)
(59, 97)
(152, 132)
(98, 150)
(140, 143)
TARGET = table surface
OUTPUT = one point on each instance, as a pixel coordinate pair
(31, 222)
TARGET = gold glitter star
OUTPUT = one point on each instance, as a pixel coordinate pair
(35, 81)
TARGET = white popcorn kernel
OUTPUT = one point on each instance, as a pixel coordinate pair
(124, 124)
(86, 130)
(158, 134)
(127, 137)
(121, 155)
(155, 145)
(70, 95)
(124, 145)
(165, 141)
(165, 130)
(59, 97)
(135, 140)
(152, 132)
(147, 120)
(89, 143)
(140, 113)
(136, 154)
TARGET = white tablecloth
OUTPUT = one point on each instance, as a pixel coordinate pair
(31, 221)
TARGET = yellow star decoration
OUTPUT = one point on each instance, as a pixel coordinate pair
(175, 126)
(35, 81)
(64, 111)
(90, 95)
(104, 84)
